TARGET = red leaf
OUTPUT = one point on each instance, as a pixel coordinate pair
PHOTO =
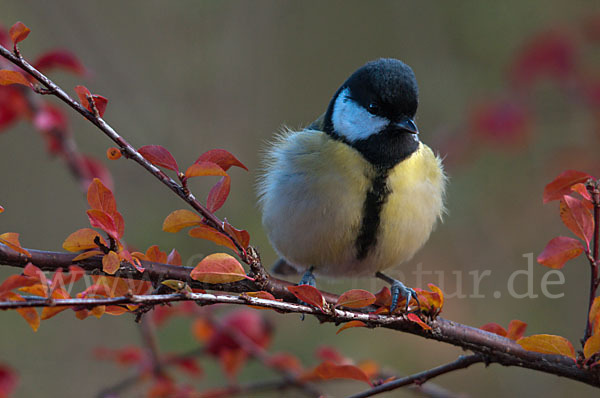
(209, 233)
(562, 184)
(516, 329)
(327, 353)
(560, 250)
(503, 122)
(101, 103)
(221, 157)
(18, 32)
(8, 381)
(174, 258)
(356, 298)
(99, 197)
(351, 324)
(577, 218)
(204, 169)
(50, 118)
(309, 294)
(414, 318)
(61, 59)
(218, 194)
(159, 156)
(13, 77)
(582, 190)
(285, 361)
(12, 105)
(98, 170)
(60, 279)
(549, 54)
(329, 370)
(219, 268)
(240, 235)
(494, 328)
(104, 221)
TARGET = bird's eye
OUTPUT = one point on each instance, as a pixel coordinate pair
(373, 107)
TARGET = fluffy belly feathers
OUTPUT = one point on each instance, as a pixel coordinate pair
(313, 193)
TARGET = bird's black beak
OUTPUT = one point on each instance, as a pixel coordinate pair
(408, 124)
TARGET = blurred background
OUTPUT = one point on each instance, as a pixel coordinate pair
(509, 96)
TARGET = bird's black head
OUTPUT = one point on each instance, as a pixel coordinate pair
(374, 110)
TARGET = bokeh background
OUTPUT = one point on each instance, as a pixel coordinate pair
(509, 95)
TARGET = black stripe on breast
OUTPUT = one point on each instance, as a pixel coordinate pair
(374, 201)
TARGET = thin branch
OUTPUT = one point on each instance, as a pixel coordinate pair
(594, 258)
(420, 378)
(127, 149)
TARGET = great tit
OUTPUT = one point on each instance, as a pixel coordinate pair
(356, 192)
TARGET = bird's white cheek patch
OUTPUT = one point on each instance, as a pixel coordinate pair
(352, 121)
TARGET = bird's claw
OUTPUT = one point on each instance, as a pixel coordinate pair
(398, 289)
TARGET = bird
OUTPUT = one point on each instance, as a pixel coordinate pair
(355, 192)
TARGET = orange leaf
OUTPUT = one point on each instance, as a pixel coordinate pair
(439, 303)
(159, 156)
(86, 255)
(119, 223)
(204, 169)
(49, 312)
(29, 314)
(562, 184)
(414, 318)
(99, 197)
(581, 189)
(219, 268)
(154, 254)
(493, 327)
(37, 290)
(218, 194)
(262, 295)
(202, 329)
(36, 273)
(516, 329)
(209, 233)
(11, 239)
(384, 297)
(104, 221)
(82, 239)
(328, 370)
(83, 93)
(548, 344)
(356, 298)
(13, 77)
(577, 218)
(558, 251)
(15, 282)
(240, 235)
(351, 324)
(221, 157)
(60, 279)
(111, 262)
(115, 310)
(1, 209)
(180, 219)
(18, 32)
(594, 310)
(285, 361)
(124, 255)
(174, 258)
(309, 294)
(592, 346)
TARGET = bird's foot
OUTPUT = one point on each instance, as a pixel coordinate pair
(399, 289)
(307, 279)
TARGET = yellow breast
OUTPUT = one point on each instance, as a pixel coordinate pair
(313, 192)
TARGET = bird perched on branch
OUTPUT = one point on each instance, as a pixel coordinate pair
(356, 192)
